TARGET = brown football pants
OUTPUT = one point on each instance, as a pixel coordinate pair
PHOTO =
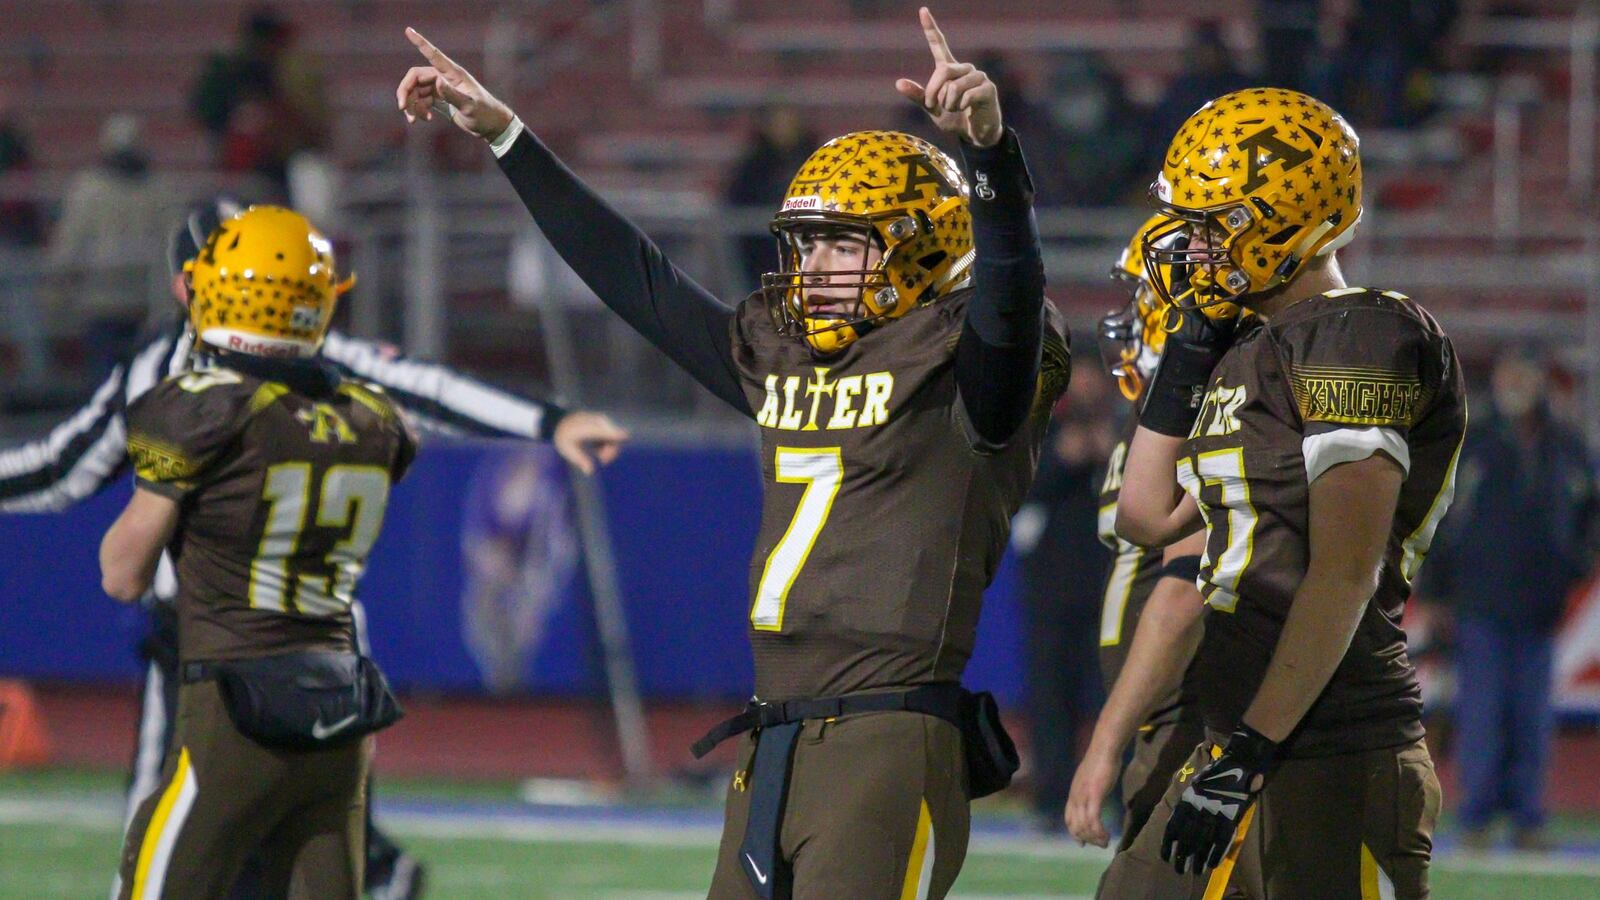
(877, 808)
(1158, 751)
(223, 795)
(1356, 826)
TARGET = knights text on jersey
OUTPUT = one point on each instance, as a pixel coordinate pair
(283, 495)
(1331, 379)
(881, 525)
(1129, 582)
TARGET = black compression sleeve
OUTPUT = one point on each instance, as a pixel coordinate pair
(626, 270)
(997, 359)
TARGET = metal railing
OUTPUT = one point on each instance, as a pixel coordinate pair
(436, 255)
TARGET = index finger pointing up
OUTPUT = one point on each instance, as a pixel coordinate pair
(936, 41)
(434, 54)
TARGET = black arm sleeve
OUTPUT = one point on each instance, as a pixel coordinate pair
(997, 358)
(626, 269)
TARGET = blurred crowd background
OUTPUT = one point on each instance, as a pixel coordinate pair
(1477, 120)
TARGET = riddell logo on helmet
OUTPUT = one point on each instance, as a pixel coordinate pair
(809, 201)
(1163, 188)
(261, 348)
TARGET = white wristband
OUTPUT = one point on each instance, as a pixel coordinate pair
(508, 137)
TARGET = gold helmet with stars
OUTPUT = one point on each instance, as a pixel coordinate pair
(264, 284)
(1257, 183)
(1131, 338)
(894, 191)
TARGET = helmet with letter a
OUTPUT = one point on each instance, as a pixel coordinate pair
(264, 283)
(1254, 185)
(875, 224)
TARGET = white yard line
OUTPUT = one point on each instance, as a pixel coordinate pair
(103, 813)
(699, 895)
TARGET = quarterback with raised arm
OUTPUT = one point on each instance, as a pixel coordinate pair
(901, 363)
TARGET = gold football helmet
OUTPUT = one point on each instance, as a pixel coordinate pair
(264, 284)
(879, 189)
(1257, 182)
(1131, 338)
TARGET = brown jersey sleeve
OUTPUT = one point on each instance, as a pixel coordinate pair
(1364, 365)
(1055, 362)
(1361, 375)
(390, 419)
(179, 428)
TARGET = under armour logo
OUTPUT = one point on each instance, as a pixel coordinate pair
(981, 186)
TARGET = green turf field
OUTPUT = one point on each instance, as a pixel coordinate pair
(58, 838)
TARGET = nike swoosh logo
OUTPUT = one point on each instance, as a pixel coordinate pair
(760, 876)
(1232, 795)
(323, 732)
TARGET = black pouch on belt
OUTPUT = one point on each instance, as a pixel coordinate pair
(991, 756)
(302, 701)
(759, 855)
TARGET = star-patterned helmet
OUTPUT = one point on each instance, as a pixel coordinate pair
(264, 284)
(1131, 338)
(887, 190)
(1257, 182)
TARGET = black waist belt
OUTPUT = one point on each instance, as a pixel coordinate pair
(941, 700)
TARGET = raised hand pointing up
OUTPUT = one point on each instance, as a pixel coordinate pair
(444, 87)
(958, 96)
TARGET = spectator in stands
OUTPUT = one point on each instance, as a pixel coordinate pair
(21, 224)
(109, 246)
(1092, 134)
(1212, 71)
(1062, 565)
(1517, 539)
(21, 232)
(781, 143)
(263, 102)
(1391, 48)
(1291, 48)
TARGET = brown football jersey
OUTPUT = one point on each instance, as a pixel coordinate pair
(282, 496)
(883, 517)
(1129, 582)
(1331, 379)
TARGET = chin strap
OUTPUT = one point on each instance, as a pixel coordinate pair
(1131, 385)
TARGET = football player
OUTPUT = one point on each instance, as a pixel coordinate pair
(1316, 443)
(267, 474)
(901, 365)
(88, 450)
(1150, 620)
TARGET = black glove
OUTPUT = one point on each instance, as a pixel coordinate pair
(1173, 399)
(1202, 825)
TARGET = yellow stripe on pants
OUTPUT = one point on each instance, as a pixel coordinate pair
(1375, 883)
(1224, 870)
(919, 869)
(158, 825)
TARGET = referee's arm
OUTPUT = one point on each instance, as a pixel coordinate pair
(87, 450)
(442, 399)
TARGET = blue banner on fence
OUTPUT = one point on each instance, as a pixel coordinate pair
(477, 582)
